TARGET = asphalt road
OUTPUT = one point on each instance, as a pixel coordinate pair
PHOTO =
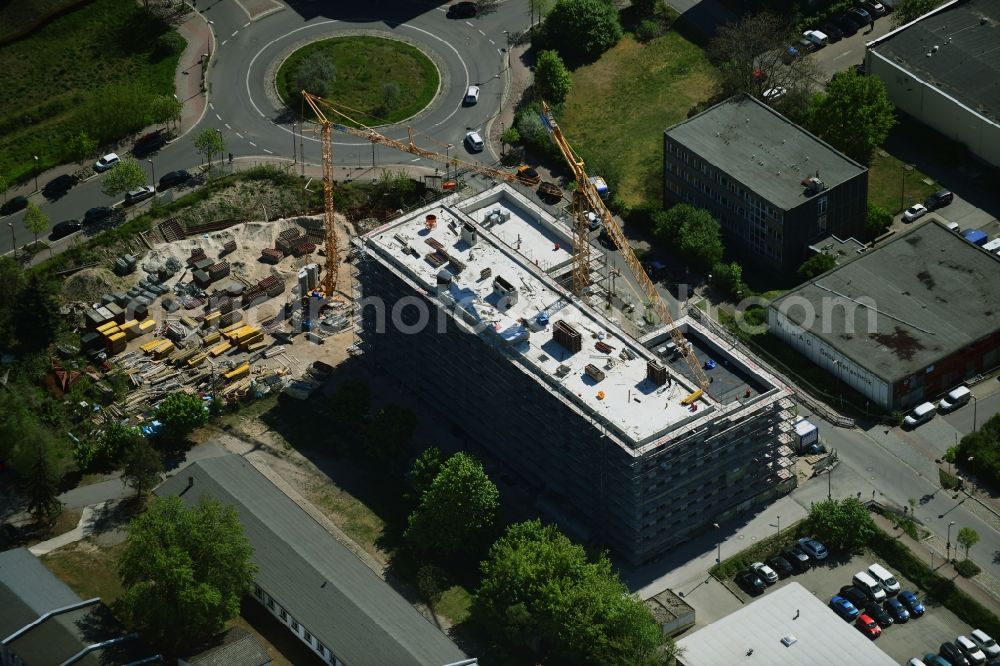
(244, 107)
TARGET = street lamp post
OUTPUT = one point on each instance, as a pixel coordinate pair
(447, 166)
(152, 170)
(949, 539)
(972, 478)
(13, 241)
(506, 34)
(718, 555)
(902, 184)
(295, 155)
(221, 151)
(36, 172)
(975, 409)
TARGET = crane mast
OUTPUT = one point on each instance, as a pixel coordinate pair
(329, 281)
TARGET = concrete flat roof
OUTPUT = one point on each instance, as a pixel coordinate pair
(758, 147)
(815, 635)
(955, 49)
(925, 294)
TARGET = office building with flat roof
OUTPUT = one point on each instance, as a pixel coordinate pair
(774, 187)
(459, 304)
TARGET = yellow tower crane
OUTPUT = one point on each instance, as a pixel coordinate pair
(329, 281)
(586, 199)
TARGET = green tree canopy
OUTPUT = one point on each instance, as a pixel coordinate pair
(209, 143)
(184, 571)
(35, 219)
(816, 265)
(388, 434)
(143, 465)
(877, 220)
(180, 414)
(41, 486)
(36, 313)
(82, 146)
(457, 514)
(552, 79)
(545, 601)
(581, 30)
(854, 115)
(315, 74)
(908, 10)
(692, 232)
(967, 538)
(728, 278)
(127, 175)
(425, 470)
(164, 108)
(843, 523)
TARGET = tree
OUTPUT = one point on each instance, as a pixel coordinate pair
(42, 484)
(537, 9)
(700, 239)
(581, 30)
(752, 57)
(854, 115)
(817, 265)
(877, 220)
(209, 143)
(967, 538)
(143, 465)
(35, 219)
(351, 402)
(544, 600)
(425, 469)
(4, 186)
(82, 146)
(390, 96)
(184, 571)
(843, 523)
(36, 313)
(388, 434)
(127, 175)
(728, 278)
(457, 515)
(164, 108)
(908, 10)
(552, 79)
(180, 414)
(315, 73)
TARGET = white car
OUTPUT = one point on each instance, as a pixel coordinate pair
(914, 212)
(915, 662)
(985, 643)
(765, 572)
(474, 142)
(140, 193)
(471, 96)
(970, 650)
(818, 38)
(774, 93)
(106, 162)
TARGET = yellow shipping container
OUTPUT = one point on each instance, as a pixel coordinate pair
(249, 332)
(103, 327)
(147, 326)
(220, 348)
(116, 343)
(232, 327)
(236, 373)
(151, 345)
(114, 330)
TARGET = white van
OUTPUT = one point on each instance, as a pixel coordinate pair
(884, 578)
(816, 37)
(869, 586)
(955, 399)
(953, 226)
(922, 413)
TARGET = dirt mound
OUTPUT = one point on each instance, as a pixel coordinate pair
(91, 283)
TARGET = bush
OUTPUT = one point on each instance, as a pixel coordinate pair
(647, 30)
(967, 568)
(948, 481)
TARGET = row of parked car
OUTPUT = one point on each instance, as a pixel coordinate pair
(842, 25)
(874, 601)
(976, 648)
(792, 560)
(925, 411)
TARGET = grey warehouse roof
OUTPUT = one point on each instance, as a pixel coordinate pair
(966, 64)
(314, 577)
(935, 294)
(791, 612)
(763, 150)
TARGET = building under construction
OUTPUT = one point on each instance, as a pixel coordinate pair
(463, 303)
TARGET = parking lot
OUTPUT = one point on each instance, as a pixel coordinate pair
(900, 641)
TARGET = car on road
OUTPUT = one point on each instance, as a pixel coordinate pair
(939, 199)
(914, 212)
(844, 608)
(774, 93)
(874, 610)
(868, 626)
(985, 643)
(797, 558)
(953, 654)
(912, 603)
(817, 37)
(462, 10)
(751, 582)
(875, 8)
(922, 413)
(970, 650)
(855, 595)
(931, 659)
(65, 228)
(97, 214)
(149, 143)
(474, 142)
(845, 23)
(832, 31)
(173, 178)
(782, 566)
(58, 186)
(766, 573)
(813, 548)
(860, 16)
(471, 96)
(139, 194)
(13, 205)
(897, 610)
(106, 162)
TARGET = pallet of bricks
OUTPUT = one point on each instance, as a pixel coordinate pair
(287, 239)
(269, 287)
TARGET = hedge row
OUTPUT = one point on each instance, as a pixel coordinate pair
(760, 551)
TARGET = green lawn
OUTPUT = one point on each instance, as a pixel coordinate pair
(619, 106)
(888, 180)
(363, 68)
(88, 569)
(454, 604)
(94, 70)
(19, 15)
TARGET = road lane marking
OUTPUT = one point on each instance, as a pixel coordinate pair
(219, 117)
(228, 127)
(415, 159)
(239, 135)
(841, 55)
(269, 152)
(235, 33)
(468, 23)
(253, 144)
(247, 24)
(482, 33)
(211, 106)
(493, 43)
(223, 42)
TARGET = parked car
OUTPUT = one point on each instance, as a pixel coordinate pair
(970, 650)
(939, 199)
(656, 270)
(774, 93)
(875, 611)
(13, 205)
(817, 37)
(65, 228)
(813, 548)
(766, 573)
(855, 595)
(139, 194)
(897, 610)
(922, 413)
(916, 662)
(474, 142)
(932, 659)
(912, 603)
(462, 10)
(868, 626)
(884, 578)
(832, 30)
(797, 558)
(860, 16)
(782, 566)
(874, 7)
(845, 23)
(106, 162)
(844, 608)
(751, 582)
(148, 143)
(173, 178)
(58, 186)
(914, 213)
(97, 214)
(471, 96)
(985, 643)
(953, 654)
